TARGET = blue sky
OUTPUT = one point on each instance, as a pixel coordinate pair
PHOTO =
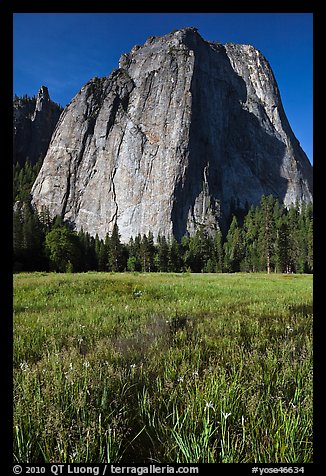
(64, 50)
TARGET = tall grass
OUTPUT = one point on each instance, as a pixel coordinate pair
(162, 367)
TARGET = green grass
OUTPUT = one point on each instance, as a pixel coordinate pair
(144, 368)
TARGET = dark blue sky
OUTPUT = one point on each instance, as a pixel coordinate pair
(63, 51)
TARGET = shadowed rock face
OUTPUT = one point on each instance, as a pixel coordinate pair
(34, 122)
(170, 140)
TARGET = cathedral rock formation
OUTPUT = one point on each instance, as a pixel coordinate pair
(34, 120)
(179, 134)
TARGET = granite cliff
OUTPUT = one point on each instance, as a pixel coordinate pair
(34, 120)
(181, 132)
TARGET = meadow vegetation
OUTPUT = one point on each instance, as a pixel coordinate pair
(157, 367)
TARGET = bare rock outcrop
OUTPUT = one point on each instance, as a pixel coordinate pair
(172, 139)
(34, 120)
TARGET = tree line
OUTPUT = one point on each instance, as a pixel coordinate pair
(30, 101)
(268, 238)
(23, 178)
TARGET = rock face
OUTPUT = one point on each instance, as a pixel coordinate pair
(34, 122)
(182, 132)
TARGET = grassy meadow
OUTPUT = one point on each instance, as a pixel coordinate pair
(182, 368)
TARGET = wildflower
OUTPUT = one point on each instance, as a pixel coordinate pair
(209, 405)
(290, 329)
(70, 366)
(133, 366)
(195, 373)
(24, 366)
(180, 379)
(226, 415)
(86, 364)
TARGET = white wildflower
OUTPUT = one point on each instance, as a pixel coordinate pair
(24, 366)
(209, 405)
(226, 415)
(133, 366)
(180, 379)
(86, 364)
(195, 373)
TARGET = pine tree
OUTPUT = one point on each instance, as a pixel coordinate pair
(18, 240)
(282, 247)
(250, 261)
(267, 233)
(83, 266)
(162, 255)
(218, 252)
(144, 254)
(175, 259)
(63, 249)
(45, 219)
(147, 252)
(310, 246)
(233, 247)
(151, 251)
(301, 262)
(133, 249)
(193, 258)
(101, 253)
(87, 251)
(185, 253)
(293, 239)
(23, 178)
(200, 250)
(115, 251)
